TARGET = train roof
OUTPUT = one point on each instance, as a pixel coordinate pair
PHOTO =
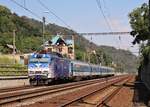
(54, 54)
(35, 55)
(80, 62)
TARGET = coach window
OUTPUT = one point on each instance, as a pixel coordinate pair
(49, 49)
(60, 49)
(70, 50)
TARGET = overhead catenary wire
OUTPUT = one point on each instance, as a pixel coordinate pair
(104, 2)
(106, 10)
(51, 12)
(24, 2)
(25, 8)
(36, 15)
(105, 18)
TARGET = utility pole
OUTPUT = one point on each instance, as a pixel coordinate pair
(14, 46)
(43, 30)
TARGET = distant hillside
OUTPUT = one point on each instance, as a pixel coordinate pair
(125, 59)
(29, 39)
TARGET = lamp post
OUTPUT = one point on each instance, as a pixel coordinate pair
(43, 26)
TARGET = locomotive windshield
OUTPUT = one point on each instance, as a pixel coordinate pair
(39, 60)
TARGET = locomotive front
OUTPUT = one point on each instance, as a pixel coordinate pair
(39, 68)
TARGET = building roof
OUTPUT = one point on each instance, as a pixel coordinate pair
(57, 39)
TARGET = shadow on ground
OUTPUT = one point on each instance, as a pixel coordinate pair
(141, 94)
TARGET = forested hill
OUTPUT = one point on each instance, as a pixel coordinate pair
(29, 39)
(125, 59)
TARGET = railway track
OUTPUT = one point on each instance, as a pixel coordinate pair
(111, 95)
(19, 96)
(2, 90)
(98, 97)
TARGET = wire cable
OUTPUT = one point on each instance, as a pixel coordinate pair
(24, 2)
(26, 9)
(42, 4)
(106, 12)
(105, 18)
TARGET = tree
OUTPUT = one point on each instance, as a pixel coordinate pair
(140, 24)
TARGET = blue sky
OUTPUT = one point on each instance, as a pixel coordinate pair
(84, 16)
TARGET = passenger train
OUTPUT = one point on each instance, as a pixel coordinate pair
(45, 68)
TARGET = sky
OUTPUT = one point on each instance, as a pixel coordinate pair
(85, 16)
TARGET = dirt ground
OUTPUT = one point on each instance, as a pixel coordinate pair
(133, 94)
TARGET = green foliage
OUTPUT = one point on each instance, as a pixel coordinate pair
(140, 24)
(139, 20)
(145, 53)
(28, 32)
(96, 57)
(79, 55)
(107, 59)
(5, 20)
(80, 51)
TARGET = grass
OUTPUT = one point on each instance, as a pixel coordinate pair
(6, 60)
(8, 68)
(13, 71)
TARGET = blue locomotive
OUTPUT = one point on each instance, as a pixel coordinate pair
(44, 68)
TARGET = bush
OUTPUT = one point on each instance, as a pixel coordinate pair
(145, 53)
